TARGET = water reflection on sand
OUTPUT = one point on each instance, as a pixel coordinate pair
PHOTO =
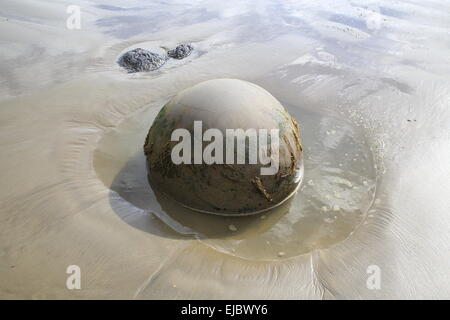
(368, 79)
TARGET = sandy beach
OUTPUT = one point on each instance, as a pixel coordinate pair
(368, 82)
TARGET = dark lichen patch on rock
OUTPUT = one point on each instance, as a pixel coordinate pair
(139, 59)
(181, 51)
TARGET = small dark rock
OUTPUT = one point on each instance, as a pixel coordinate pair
(181, 51)
(141, 60)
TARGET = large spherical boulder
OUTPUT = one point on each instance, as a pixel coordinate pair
(196, 156)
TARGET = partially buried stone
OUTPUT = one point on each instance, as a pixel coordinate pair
(141, 60)
(225, 186)
(181, 51)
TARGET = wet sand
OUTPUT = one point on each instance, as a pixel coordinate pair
(368, 83)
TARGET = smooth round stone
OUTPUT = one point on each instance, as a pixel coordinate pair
(225, 188)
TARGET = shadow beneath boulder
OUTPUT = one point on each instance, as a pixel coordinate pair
(138, 204)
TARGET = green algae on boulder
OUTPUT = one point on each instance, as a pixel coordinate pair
(225, 187)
